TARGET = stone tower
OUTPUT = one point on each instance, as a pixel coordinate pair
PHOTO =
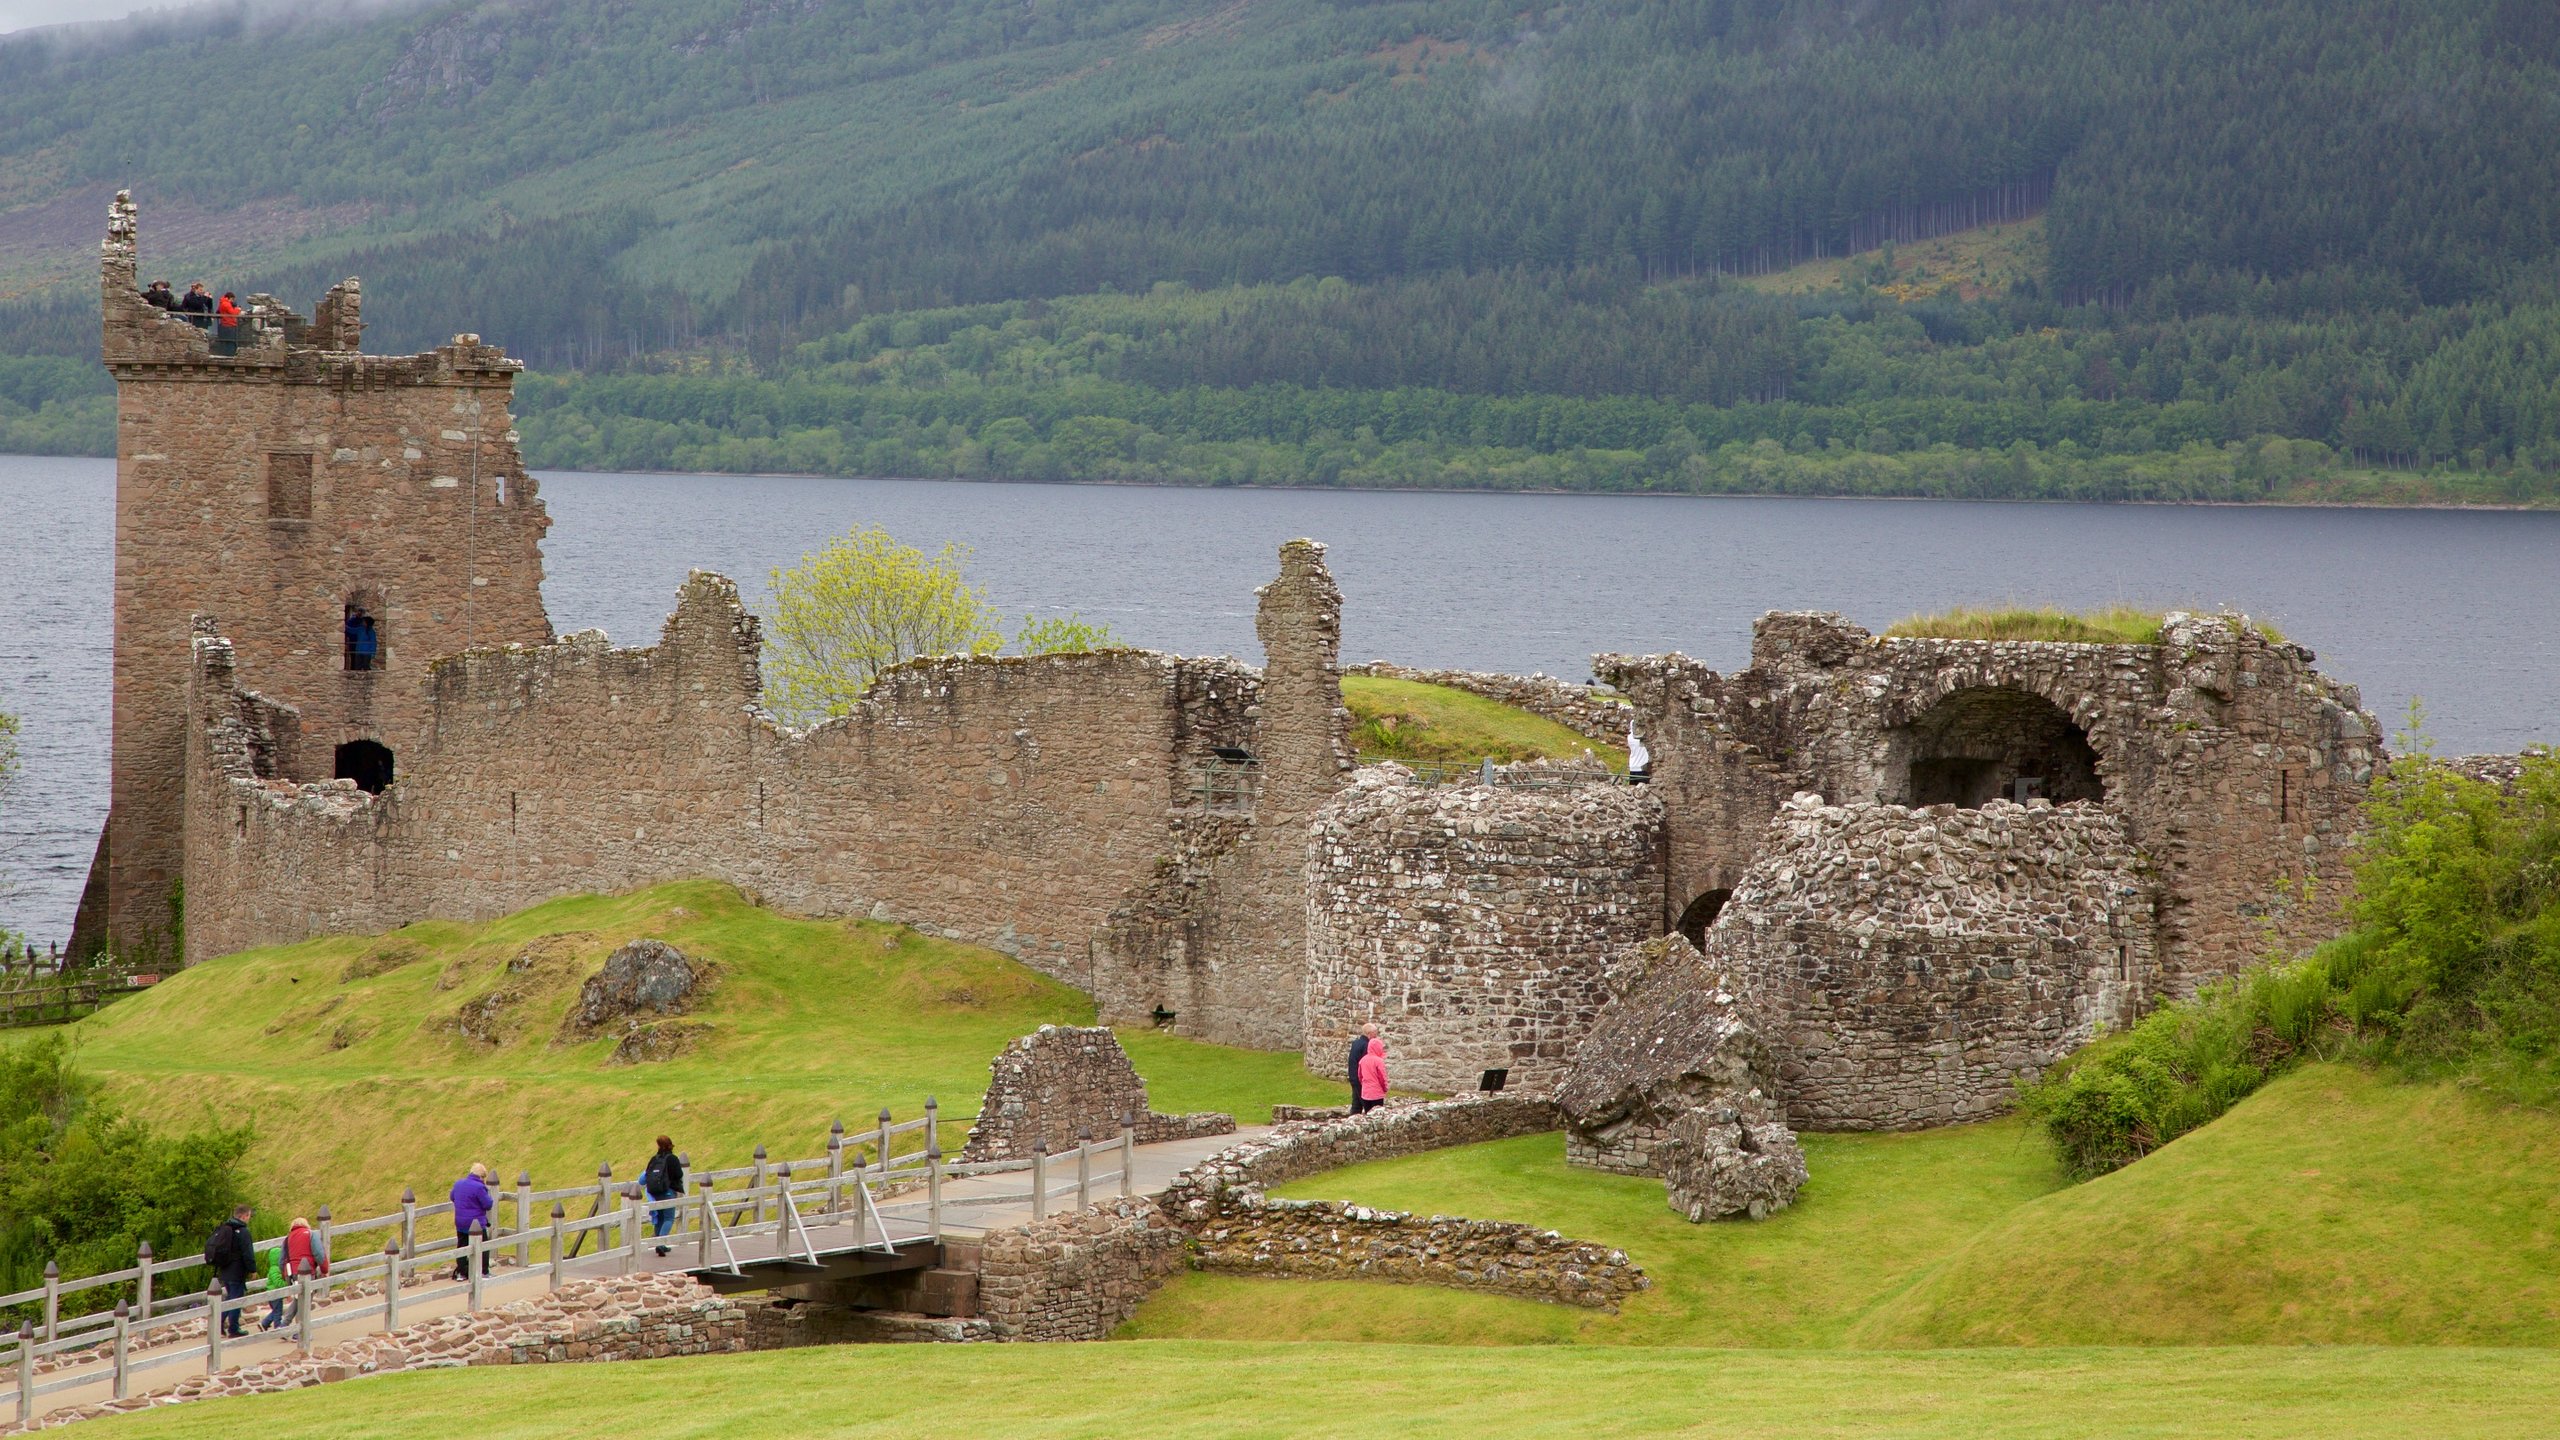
(345, 518)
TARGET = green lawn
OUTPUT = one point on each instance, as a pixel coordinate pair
(1241, 1392)
(1433, 724)
(1879, 1210)
(358, 1086)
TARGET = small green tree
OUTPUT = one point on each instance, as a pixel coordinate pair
(1069, 634)
(860, 605)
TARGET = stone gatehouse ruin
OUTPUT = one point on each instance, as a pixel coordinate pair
(1912, 869)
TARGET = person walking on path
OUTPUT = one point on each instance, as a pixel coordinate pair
(1360, 1044)
(663, 1179)
(275, 1284)
(1373, 1078)
(472, 1207)
(230, 1252)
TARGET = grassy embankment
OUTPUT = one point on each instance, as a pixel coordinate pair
(1409, 721)
(2333, 1207)
(358, 1083)
(2111, 625)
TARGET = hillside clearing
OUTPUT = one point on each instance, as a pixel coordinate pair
(346, 1055)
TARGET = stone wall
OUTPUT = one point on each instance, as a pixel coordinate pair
(1906, 966)
(628, 1317)
(1587, 710)
(273, 487)
(1022, 804)
(1673, 1039)
(1310, 1147)
(1077, 1276)
(1328, 1240)
(2234, 767)
(1066, 1082)
(1472, 923)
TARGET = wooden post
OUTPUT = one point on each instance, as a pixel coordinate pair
(604, 1200)
(1084, 1168)
(1039, 1179)
(702, 1236)
(124, 1334)
(212, 1327)
(835, 1166)
(524, 1218)
(142, 1282)
(932, 1124)
(557, 1255)
(391, 1288)
(933, 1190)
(26, 1372)
(52, 1299)
(881, 1159)
(782, 1211)
(408, 1222)
(475, 1245)
(631, 1229)
(302, 1313)
(756, 1185)
(320, 1236)
(1128, 1155)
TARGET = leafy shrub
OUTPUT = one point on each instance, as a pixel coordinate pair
(2452, 965)
(83, 1184)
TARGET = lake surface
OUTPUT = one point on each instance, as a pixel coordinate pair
(2460, 608)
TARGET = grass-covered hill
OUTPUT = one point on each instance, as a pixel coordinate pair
(367, 1064)
(2123, 249)
(1416, 722)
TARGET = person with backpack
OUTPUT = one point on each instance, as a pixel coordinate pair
(228, 1253)
(663, 1179)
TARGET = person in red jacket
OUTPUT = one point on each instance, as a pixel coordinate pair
(226, 325)
(1373, 1077)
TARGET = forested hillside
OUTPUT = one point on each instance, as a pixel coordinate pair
(2277, 245)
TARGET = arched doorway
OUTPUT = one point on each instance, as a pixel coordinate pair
(1993, 743)
(366, 762)
(1701, 914)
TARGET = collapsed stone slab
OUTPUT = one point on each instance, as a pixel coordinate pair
(1675, 1041)
(1065, 1082)
(1733, 1157)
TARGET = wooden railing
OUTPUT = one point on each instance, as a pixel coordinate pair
(864, 1183)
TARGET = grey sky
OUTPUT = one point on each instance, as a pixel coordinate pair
(22, 14)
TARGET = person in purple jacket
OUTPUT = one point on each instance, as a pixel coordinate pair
(472, 1206)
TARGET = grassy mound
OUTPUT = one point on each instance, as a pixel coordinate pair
(1416, 723)
(1419, 1393)
(366, 1064)
(1879, 1210)
(2331, 1207)
(2115, 625)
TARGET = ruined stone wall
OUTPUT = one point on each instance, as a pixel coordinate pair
(1586, 710)
(1329, 1240)
(1473, 924)
(1077, 1276)
(1301, 1148)
(1906, 966)
(270, 487)
(1013, 803)
(2236, 769)
(1063, 1083)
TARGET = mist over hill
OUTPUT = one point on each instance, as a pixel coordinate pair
(2321, 221)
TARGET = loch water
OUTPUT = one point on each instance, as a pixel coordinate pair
(2458, 608)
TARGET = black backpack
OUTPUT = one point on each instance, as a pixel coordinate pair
(218, 1246)
(659, 1179)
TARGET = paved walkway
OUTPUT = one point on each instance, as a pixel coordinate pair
(1157, 1166)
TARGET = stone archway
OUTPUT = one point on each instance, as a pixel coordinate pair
(1995, 743)
(1701, 914)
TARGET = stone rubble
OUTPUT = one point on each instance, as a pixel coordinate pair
(1066, 1081)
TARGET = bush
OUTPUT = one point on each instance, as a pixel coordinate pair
(2451, 965)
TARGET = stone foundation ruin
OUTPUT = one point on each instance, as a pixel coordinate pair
(1066, 1083)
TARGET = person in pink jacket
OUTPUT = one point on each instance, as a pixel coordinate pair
(1373, 1078)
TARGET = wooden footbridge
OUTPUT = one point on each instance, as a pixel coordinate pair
(882, 1201)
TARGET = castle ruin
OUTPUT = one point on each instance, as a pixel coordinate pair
(1919, 868)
